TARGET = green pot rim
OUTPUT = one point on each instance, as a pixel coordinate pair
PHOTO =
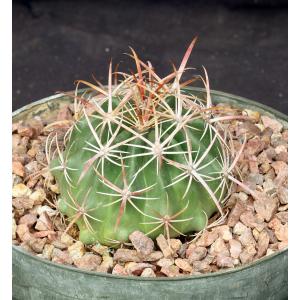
(233, 98)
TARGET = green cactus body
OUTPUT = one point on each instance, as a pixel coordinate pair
(142, 178)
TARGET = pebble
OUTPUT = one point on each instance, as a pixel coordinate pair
(18, 168)
(247, 254)
(165, 262)
(38, 196)
(280, 230)
(203, 266)
(119, 270)
(235, 248)
(88, 262)
(265, 206)
(28, 219)
(275, 125)
(61, 257)
(206, 238)
(133, 268)
(235, 213)
(170, 271)
(22, 203)
(106, 265)
(164, 246)
(76, 251)
(282, 193)
(154, 256)
(282, 216)
(175, 245)
(219, 247)
(224, 232)
(198, 253)
(37, 245)
(66, 239)
(253, 221)
(143, 244)
(246, 238)
(100, 249)
(183, 264)
(269, 187)
(239, 228)
(46, 209)
(21, 190)
(126, 255)
(47, 251)
(23, 233)
(44, 223)
(262, 243)
(148, 272)
(224, 261)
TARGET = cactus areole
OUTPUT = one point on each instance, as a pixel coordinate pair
(142, 154)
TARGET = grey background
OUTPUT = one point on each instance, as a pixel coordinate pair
(242, 43)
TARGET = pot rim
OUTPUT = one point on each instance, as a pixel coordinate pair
(232, 97)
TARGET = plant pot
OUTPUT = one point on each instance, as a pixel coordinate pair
(36, 278)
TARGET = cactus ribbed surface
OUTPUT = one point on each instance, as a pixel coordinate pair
(141, 155)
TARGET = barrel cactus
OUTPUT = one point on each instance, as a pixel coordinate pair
(142, 154)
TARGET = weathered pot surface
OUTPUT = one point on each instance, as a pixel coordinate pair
(36, 278)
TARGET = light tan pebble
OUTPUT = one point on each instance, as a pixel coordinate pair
(133, 268)
(14, 229)
(246, 238)
(47, 251)
(23, 232)
(100, 249)
(253, 221)
(239, 228)
(59, 245)
(28, 219)
(119, 270)
(203, 266)
(126, 255)
(235, 248)
(106, 265)
(44, 223)
(45, 208)
(21, 190)
(283, 207)
(164, 246)
(22, 203)
(16, 179)
(265, 205)
(269, 187)
(18, 168)
(255, 233)
(175, 244)
(243, 196)
(281, 170)
(170, 271)
(61, 257)
(148, 272)
(219, 247)
(165, 262)
(224, 261)
(247, 254)
(282, 216)
(32, 167)
(88, 262)
(38, 196)
(64, 114)
(24, 130)
(235, 213)
(76, 251)
(269, 252)
(262, 243)
(198, 253)
(276, 139)
(282, 193)
(224, 232)
(183, 264)
(282, 245)
(54, 188)
(265, 167)
(27, 248)
(282, 232)
(255, 115)
(275, 125)
(206, 239)
(37, 245)
(143, 244)
(154, 256)
(66, 239)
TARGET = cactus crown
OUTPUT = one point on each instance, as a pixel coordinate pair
(143, 154)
